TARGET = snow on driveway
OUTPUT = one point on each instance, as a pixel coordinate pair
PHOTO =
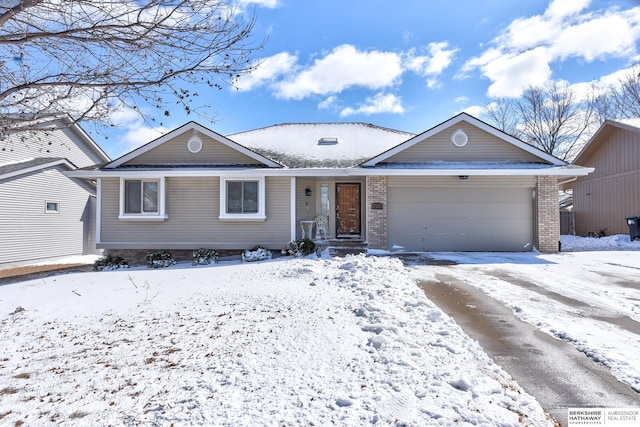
(291, 342)
(589, 297)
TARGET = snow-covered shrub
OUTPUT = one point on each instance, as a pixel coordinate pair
(205, 256)
(256, 254)
(160, 259)
(302, 247)
(110, 263)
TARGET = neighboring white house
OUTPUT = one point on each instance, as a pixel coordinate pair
(45, 214)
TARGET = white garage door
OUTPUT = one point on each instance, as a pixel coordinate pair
(460, 219)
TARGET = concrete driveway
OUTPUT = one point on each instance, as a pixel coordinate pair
(557, 374)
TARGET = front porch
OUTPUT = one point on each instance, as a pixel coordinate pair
(330, 209)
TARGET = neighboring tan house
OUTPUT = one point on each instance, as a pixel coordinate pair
(460, 186)
(45, 214)
(603, 199)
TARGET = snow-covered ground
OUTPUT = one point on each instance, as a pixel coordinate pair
(346, 341)
(290, 342)
(588, 295)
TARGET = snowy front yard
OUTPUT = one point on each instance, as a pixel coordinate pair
(348, 341)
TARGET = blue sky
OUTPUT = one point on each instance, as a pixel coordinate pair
(409, 64)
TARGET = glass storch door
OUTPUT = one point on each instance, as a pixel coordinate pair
(324, 202)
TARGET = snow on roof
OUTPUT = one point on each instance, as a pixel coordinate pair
(12, 168)
(635, 122)
(305, 144)
(441, 164)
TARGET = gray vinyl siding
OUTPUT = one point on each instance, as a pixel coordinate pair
(27, 232)
(449, 214)
(481, 146)
(193, 208)
(175, 151)
(604, 198)
(62, 143)
(306, 207)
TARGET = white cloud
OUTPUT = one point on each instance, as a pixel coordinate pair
(134, 132)
(269, 4)
(511, 74)
(609, 35)
(431, 65)
(139, 134)
(269, 68)
(523, 53)
(474, 110)
(441, 57)
(559, 9)
(380, 103)
(328, 103)
(342, 68)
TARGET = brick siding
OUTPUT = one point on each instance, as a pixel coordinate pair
(377, 218)
(548, 221)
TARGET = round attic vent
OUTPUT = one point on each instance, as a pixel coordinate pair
(194, 144)
(459, 138)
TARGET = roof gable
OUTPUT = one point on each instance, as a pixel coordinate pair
(52, 136)
(463, 138)
(600, 138)
(16, 169)
(193, 145)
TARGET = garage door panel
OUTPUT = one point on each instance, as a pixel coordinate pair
(460, 219)
(459, 211)
(471, 195)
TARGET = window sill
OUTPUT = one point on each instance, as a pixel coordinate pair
(242, 217)
(143, 217)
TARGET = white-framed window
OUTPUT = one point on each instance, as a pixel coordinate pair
(51, 207)
(142, 199)
(242, 199)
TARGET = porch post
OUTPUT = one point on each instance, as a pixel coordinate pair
(293, 209)
(99, 211)
(377, 212)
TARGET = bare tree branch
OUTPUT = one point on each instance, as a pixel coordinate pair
(88, 58)
(625, 97)
(503, 114)
(551, 118)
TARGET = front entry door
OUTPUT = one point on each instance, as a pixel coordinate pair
(347, 209)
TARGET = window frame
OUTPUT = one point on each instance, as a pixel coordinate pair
(51, 211)
(254, 216)
(158, 215)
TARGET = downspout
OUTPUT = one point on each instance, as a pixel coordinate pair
(567, 181)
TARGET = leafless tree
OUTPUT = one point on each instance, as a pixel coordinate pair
(88, 58)
(503, 114)
(551, 118)
(625, 97)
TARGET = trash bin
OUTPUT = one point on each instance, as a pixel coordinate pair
(634, 227)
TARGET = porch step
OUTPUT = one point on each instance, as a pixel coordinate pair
(342, 247)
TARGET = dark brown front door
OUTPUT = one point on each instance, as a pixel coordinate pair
(347, 209)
